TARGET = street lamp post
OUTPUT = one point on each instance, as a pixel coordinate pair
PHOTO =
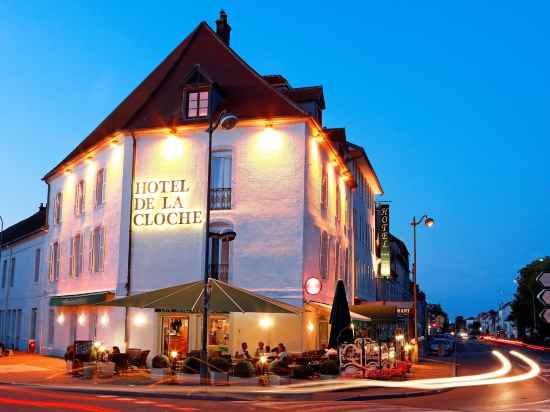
(227, 121)
(429, 223)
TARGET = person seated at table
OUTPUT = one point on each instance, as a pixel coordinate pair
(273, 353)
(243, 352)
(116, 349)
(282, 353)
(260, 350)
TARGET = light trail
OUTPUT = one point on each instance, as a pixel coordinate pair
(489, 378)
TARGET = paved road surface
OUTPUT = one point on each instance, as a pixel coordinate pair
(473, 357)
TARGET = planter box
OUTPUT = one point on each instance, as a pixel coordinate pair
(105, 369)
(88, 370)
(218, 378)
(159, 373)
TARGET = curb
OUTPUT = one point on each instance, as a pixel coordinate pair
(217, 397)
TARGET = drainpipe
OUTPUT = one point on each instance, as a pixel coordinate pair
(129, 268)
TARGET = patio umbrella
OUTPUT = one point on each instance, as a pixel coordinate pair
(224, 298)
(340, 318)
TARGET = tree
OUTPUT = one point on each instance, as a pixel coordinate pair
(525, 306)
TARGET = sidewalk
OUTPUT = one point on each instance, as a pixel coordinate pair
(50, 373)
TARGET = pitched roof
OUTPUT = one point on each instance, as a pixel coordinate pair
(25, 227)
(307, 94)
(156, 102)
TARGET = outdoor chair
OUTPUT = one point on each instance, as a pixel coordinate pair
(134, 356)
(121, 362)
(142, 361)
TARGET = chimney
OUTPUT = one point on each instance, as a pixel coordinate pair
(223, 29)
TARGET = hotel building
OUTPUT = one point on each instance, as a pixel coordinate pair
(126, 210)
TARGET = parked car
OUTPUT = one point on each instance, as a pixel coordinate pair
(442, 347)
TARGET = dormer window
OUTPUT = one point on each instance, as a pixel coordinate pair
(197, 104)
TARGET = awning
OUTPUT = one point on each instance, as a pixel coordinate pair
(224, 298)
(327, 308)
(376, 311)
(81, 299)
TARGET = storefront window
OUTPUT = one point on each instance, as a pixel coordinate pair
(175, 333)
(218, 330)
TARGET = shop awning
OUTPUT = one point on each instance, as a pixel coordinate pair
(224, 298)
(376, 311)
(327, 308)
(81, 299)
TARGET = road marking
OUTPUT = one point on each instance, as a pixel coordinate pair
(106, 396)
(125, 399)
(144, 402)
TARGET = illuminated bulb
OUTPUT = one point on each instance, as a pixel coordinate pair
(263, 359)
(265, 323)
(104, 320)
(310, 327)
(61, 319)
(81, 319)
(174, 354)
(270, 139)
(97, 344)
(173, 147)
(102, 348)
(139, 319)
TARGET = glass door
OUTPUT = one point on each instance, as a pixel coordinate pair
(175, 335)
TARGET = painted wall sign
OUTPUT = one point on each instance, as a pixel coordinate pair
(384, 239)
(162, 203)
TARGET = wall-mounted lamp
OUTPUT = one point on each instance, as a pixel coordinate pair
(81, 319)
(104, 320)
(60, 319)
(266, 323)
(139, 319)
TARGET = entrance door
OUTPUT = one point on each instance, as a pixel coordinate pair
(175, 334)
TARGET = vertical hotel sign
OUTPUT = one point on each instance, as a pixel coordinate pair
(384, 238)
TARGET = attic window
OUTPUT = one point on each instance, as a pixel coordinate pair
(197, 104)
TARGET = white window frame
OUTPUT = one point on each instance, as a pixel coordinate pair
(55, 258)
(58, 208)
(12, 271)
(80, 198)
(200, 105)
(100, 183)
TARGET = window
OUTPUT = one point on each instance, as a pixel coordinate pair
(98, 249)
(323, 256)
(12, 272)
(4, 273)
(220, 251)
(197, 104)
(54, 261)
(36, 265)
(75, 268)
(34, 321)
(57, 208)
(79, 199)
(100, 188)
(324, 189)
(51, 326)
(220, 184)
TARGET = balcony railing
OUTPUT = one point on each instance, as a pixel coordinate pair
(219, 271)
(220, 198)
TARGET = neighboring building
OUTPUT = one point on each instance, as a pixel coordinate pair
(21, 263)
(504, 324)
(126, 209)
(488, 322)
(438, 320)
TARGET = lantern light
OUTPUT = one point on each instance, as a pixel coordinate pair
(310, 327)
(97, 344)
(60, 318)
(313, 286)
(174, 354)
(104, 319)
(266, 323)
(81, 319)
(139, 319)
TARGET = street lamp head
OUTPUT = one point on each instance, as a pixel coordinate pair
(429, 222)
(228, 121)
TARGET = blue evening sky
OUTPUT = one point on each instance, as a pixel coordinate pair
(450, 101)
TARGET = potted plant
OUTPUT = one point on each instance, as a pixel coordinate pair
(302, 372)
(278, 369)
(69, 358)
(329, 369)
(191, 365)
(218, 369)
(89, 368)
(160, 366)
(243, 371)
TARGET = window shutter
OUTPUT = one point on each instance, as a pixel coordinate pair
(50, 264)
(71, 260)
(101, 251)
(103, 185)
(91, 252)
(83, 198)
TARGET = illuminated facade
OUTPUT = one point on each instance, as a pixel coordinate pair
(126, 208)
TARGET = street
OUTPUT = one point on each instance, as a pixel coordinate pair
(472, 357)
